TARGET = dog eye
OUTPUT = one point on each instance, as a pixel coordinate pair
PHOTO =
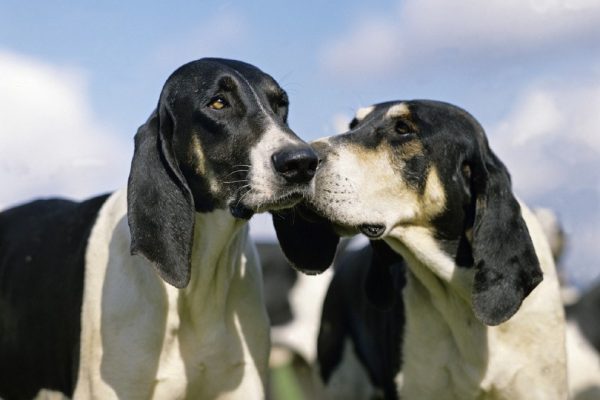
(403, 128)
(279, 102)
(218, 103)
(283, 102)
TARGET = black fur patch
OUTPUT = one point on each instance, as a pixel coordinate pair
(42, 256)
(349, 314)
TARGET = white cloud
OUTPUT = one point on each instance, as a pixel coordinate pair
(50, 141)
(550, 144)
(419, 31)
(551, 139)
(371, 48)
(340, 123)
(214, 36)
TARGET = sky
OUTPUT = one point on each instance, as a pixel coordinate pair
(78, 78)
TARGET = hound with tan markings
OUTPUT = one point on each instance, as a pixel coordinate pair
(484, 318)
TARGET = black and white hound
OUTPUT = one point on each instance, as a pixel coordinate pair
(484, 317)
(154, 291)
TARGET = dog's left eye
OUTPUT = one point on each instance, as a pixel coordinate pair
(403, 128)
(279, 103)
(218, 103)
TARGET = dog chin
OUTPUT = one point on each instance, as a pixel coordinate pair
(346, 225)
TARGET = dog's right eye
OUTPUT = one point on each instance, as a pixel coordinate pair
(403, 128)
(218, 103)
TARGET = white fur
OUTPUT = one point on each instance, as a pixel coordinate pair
(144, 339)
(449, 354)
(262, 178)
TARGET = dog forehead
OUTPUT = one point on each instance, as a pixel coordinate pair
(207, 71)
(249, 73)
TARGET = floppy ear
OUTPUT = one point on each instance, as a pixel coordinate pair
(308, 241)
(160, 208)
(504, 257)
(380, 285)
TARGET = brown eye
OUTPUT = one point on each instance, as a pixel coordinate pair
(403, 128)
(218, 103)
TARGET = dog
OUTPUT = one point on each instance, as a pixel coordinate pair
(484, 317)
(154, 291)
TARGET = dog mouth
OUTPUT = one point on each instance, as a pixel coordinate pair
(372, 231)
(341, 227)
(287, 200)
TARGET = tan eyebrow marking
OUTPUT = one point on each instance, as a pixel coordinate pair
(361, 113)
(398, 110)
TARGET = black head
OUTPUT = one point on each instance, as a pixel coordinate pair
(420, 174)
(218, 139)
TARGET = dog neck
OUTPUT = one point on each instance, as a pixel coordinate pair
(429, 262)
(438, 301)
(217, 256)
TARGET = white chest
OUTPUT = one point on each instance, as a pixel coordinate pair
(144, 339)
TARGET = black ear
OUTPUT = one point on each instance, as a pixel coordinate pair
(504, 257)
(380, 284)
(160, 208)
(308, 241)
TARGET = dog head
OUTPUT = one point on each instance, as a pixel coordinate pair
(218, 139)
(421, 169)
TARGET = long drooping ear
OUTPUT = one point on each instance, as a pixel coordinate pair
(507, 267)
(308, 242)
(160, 208)
(380, 284)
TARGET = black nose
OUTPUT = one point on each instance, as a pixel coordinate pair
(296, 164)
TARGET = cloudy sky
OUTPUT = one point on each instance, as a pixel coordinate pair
(78, 78)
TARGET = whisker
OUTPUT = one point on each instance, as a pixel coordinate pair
(242, 197)
(237, 171)
(242, 187)
(242, 180)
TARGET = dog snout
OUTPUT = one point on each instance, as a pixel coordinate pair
(297, 164)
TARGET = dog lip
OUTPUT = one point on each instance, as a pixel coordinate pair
(241, 211)
(372, 231)
(287, 200)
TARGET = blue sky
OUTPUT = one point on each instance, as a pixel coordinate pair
(78, 78)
